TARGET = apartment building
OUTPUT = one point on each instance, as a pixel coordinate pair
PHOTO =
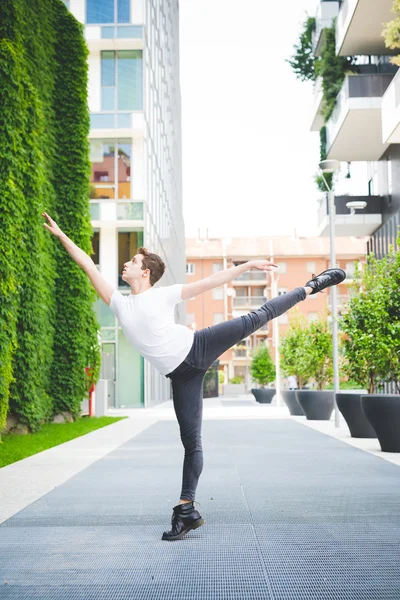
(135, 153)
(365, 124)
(297, 259)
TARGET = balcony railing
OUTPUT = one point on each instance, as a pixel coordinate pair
(122, 210)
(252, 276)
(327, 11)
(248, 301)
(358, 93)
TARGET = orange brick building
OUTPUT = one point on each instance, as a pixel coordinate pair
(297, 258)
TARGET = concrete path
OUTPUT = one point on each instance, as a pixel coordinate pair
(291, 513)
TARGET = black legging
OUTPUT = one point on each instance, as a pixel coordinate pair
(187, 378)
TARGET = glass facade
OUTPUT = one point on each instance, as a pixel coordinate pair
(107, 11)
(128, 244)
(111, 169)
(121, 80)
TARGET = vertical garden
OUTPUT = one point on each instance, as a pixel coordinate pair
(48, 330)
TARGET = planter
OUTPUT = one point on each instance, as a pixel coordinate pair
(351, 409)
(383, 412)
(289, 398)
(317, 406)
(264, 395)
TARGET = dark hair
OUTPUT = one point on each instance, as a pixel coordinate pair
(154, 263)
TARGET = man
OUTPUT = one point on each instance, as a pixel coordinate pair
(146, 316)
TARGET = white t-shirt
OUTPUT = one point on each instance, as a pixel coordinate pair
(148, 322)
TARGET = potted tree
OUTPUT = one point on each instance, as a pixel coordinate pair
(383, 410)
(294, 360)
(364, 355)
(318, 404)
(263, 372)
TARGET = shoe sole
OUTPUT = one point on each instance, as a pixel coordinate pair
(195, 525)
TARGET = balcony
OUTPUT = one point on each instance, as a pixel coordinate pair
(248, 301)
(391, 112)
(259, 276)
(363, 223)
(317, 116)
(359, 27)
(327, 11)
(118, 212)
(358, 103)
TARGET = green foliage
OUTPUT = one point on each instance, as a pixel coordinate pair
(262, 366)
(319, 350)
(303, 61)
(237, 379)
(306, 351)
(371, 326)
(44, 166)
(391, 32)
(293, 354)
(332, 69)
(221, 377)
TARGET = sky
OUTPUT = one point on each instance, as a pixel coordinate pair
(248, 154)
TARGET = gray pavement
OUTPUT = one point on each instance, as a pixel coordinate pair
(291, 513)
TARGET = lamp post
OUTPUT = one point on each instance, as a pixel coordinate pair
(331, 166)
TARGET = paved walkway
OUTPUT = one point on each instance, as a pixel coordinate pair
(291, 513)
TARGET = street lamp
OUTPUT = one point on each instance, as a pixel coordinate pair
(331, 166)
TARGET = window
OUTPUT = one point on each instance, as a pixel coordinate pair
(121, 80)
(218, 293)
(107, 11)
(282, 291)
(311, 267)
(190, 269)
(282, 267)
(216, 267)
(312, 316)
(128, 243)
(350, 268)
(111, 168)
(189, 319)
(218, 318)
(257, 292)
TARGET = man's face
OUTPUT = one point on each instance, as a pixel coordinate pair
(132, 270)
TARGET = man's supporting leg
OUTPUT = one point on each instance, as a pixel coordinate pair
(188, 404)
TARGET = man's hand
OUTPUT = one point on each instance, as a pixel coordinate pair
(53, 227)
(262, 265)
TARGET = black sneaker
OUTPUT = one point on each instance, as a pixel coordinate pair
(184, 518)
(326, 279)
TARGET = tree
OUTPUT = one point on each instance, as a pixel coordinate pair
(303, 61)
(319, 349)
(262, 366)
(293, 350)
(391, 32)
(371, 325)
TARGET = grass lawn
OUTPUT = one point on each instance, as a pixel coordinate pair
(16, 447)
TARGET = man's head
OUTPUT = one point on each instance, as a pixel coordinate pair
(144, 265)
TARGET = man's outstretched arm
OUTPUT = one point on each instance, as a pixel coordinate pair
(102, 287)
(190, 290)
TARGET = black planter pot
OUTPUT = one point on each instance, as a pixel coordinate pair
(317, 406)
(289, 397)
(350, 407)
(263, 395)
(383, 412)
